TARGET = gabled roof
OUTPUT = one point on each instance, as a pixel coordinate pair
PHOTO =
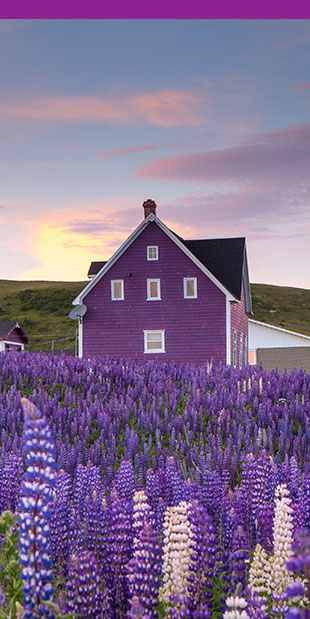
(222, 260)
(7, 326)
(95, 267)
(177, 240)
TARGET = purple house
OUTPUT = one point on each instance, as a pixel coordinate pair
(12, 336)
(164, 297)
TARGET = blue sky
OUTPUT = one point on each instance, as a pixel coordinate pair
(208, 117)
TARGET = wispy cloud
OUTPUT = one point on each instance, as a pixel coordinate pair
(123, 151)
(301, 86)
(164, 108)
(265, 157)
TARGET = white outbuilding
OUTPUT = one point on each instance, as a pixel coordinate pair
(277, 347)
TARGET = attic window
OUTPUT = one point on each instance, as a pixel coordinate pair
(152, 252)
(190, 287)
(117, 289)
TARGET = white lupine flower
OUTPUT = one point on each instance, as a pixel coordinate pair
(269, 574)
(178, 542)
(260, 571)
(282, 539)
(235, 603)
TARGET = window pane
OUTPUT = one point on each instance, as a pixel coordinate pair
(152, 253)
(154, 337)
(190, 288)
(117, 290)
(153, 345)
(153, 289)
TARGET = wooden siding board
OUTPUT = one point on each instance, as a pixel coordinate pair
(239, 323)
(195, 328)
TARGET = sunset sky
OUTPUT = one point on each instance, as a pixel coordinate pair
(210, 118)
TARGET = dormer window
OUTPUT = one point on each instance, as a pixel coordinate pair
(117, 289)
(152, 252)
(190, 287)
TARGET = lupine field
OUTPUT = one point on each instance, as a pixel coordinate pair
(155, 490)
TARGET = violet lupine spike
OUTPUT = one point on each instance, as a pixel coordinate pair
(35, 514)
(145, 571)
(238, 559)
(84, 595)
(118, 553)
(125, 480)
(203, 559)
(59, 524)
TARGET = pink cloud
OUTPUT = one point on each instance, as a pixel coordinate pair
(123, 151)
(301, 86)
(265, 158)
(164, 108)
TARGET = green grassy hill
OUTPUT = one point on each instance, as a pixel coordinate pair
(282, 306)
(43, 308)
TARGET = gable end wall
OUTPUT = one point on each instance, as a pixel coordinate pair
(195, 329)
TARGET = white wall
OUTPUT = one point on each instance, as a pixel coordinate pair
(263, 335)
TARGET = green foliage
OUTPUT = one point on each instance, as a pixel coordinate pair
(10, 581)
(43, 309)
(282, 306)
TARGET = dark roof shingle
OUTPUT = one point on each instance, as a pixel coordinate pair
(6, 326)
(223, 258)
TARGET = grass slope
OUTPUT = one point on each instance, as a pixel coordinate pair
(43, 308)
(282, 306)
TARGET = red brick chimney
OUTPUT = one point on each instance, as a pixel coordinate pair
(149, 207)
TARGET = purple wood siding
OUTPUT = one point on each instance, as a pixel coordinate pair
(14, 336)
(195, 329)
(239, 323)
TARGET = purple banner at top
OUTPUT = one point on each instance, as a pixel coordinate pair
(161, 9)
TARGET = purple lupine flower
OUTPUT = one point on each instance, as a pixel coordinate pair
(125, 480)
(136, 610)
(299, 562)
(84, 590)
(59, 524)
(256, 605)
(118, 553)
(35, 514)
(203, 558)
(145, 570)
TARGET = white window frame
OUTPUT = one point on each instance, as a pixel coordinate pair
(117, 281)
(234, 348)
(240, 349)
(149, 247)
(161, 348)
(148, 289)
(246, 350)
(185, 280)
